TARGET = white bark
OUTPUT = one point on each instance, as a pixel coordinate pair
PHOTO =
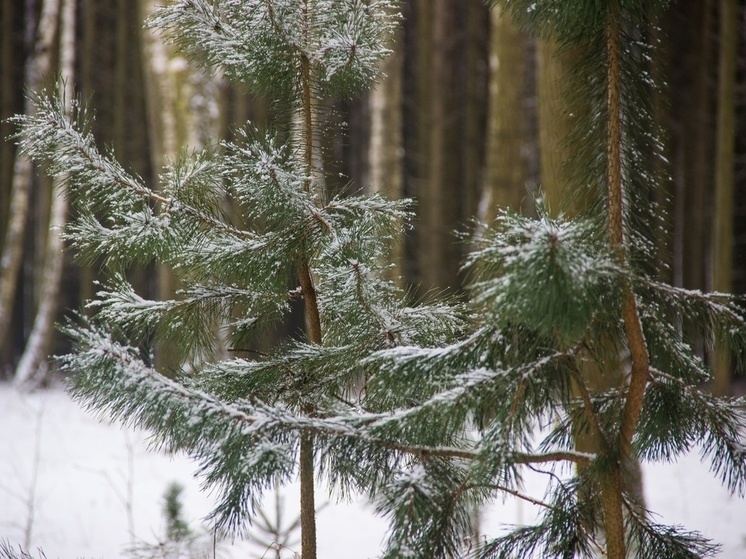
(37, 68)
(33, 363)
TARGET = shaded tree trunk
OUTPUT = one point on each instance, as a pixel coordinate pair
(722, 258)
(38, 68)
(386, 147)
(505, 173)
(182, 111)
(443, 39)
(33, 364)
(12, 18)
(691, 133)
(554, 123)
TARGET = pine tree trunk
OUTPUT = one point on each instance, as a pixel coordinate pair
(505, 182)
(554, 123)
(33, 365)
(308, 291)
(386, 148)
(640, 362)
(175, 122)
(442, 192)
(691, 77)
(87, 84)
(37, 69)
(722, 265)
(475, 106)
(8, 93)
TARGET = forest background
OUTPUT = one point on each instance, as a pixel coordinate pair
(468, 120)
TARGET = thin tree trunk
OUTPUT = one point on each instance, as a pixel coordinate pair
(474, 73)
(722, 265)
(87, 85)
(37, 69)
(10, 64)
(555, 125)
(611, 490)
(8, 67)
(640, 361)
(308, 291)
(33, 364)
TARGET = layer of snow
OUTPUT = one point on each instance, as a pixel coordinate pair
(75, 487)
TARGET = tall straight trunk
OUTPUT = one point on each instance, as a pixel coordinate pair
(87, 84)
(386, 147)
(442, 191)
(8, 97)
(474, 75)
(175, 123)
(691, 78)
(11, 68)
(505, 180)
(33, 363)
(722, 259)
(307, 135)
(554, 123)
(38, 67)
(433, 196)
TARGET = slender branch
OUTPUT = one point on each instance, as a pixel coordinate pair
(588, 405)
(543, 504)
(517, 458)
(521, 496)
(710, 299)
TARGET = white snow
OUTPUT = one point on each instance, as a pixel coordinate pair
(78, 484)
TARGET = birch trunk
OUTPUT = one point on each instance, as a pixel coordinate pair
(38, 67)
(33, 364)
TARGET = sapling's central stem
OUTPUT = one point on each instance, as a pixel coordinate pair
(612, 497)
(313, 321)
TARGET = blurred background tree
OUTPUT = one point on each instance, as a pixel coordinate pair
(464, 123)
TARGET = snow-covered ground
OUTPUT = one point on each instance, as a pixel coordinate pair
(78, 487)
